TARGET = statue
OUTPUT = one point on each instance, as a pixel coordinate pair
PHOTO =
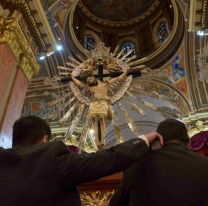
(96, 96)
(99, 106)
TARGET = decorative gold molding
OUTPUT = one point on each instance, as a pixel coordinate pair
(58, 134)
(200, 126)
(196, 122)
(26, 6)
(74, 142)
(150, 72)
(96, 199)
(28, 36)
(11, 34)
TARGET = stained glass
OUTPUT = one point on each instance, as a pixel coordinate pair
(90, 43)
(163, 32)
(127, 46)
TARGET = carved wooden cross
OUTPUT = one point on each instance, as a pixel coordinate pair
(100, 76)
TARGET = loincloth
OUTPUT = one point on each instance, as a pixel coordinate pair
(99, 106)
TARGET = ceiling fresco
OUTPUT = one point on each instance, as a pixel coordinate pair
(175, 73)
(57, 12)
(118, 10)
(47, 4)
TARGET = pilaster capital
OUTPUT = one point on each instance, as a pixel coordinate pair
(11, 34)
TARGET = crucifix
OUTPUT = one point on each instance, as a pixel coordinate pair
(90, 75)
(99, 107)
(135, 73)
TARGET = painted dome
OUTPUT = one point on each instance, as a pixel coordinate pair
(118, 10)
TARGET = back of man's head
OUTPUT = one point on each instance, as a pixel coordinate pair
(30, 130)
(173, 130)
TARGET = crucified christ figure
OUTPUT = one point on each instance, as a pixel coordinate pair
(99, 107)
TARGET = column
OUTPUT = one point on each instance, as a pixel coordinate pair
(139, 36)
(114, 41)
(149, 40)
(82, 32)
(17, 66)
(105, 38)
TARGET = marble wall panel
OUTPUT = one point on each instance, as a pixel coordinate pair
(14, 108)
(7, 64)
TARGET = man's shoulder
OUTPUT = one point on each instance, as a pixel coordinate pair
(53, 144)
(178, 151)
(44, 147)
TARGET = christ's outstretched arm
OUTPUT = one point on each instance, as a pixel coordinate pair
(120, 77)
(71, 76)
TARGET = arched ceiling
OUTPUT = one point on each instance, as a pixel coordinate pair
(118, 10)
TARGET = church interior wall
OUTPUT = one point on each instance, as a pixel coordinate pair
(117, 36)
(181, 94)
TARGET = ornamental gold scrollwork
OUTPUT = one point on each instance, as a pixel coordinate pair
(11, 34)
(28, 66)
(150, 72)
(96, 199)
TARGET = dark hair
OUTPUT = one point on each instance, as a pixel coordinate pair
(30, 130)
(85, 79)
(172, 129)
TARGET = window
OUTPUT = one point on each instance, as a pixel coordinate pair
(127, 46)
(163, 32)
(90, 43)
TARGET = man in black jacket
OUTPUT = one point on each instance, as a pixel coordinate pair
(170, 176)
(36, 172)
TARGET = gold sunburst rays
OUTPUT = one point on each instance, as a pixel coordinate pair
(60, 108)
(74, 60)
(116, 49)
(130, 122)
(120, 53)
(147, 104)
(134, 106)
(130, 59)
(118, 133)
(62, 91)
(59, 86)
(64, 73)
(65, 68)
(74, 123)
(126, 55)
(67, 115)
(59, 99)
(83, 137)
(138, 67)
(70, 64)
(143, 92)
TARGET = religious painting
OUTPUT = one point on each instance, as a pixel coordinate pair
(175, 74)
(118, 10)
(59, 11)
(47, 4)
(36, 106)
